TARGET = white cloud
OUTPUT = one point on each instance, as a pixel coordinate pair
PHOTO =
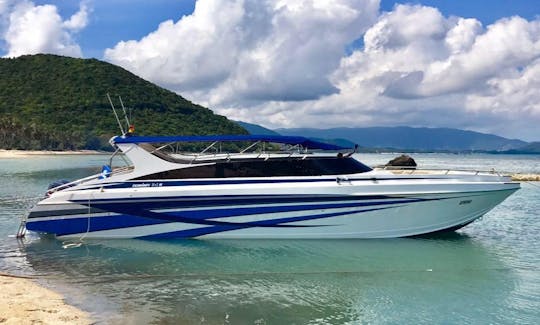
(283, 64)
(414, 23)
(79, 20)
(197, 52)
(249, 50)
(32, 29)
(513, 98)
(455, 74)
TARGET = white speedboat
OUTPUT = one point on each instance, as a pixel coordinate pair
(300, 190)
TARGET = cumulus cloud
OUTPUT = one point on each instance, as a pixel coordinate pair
(454, 55)
(196, 52)
(284, 64)
(451, 72)
(512, 98)
(79, 20)
(253, 50)
(31, 29)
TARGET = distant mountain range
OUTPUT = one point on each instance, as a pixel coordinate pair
(256, 129)
(533, 147)
(408, 138)
(413, 138)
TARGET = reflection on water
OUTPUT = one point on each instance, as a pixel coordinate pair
(281, 281)
(486, 273)
(202, 257)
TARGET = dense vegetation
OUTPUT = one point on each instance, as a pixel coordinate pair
(59, 103)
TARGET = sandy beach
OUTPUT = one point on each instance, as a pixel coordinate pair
(22, 301)
(27, 153)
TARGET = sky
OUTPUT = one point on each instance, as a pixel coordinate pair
(472, 65)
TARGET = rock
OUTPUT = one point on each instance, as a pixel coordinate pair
(526, 177)
(402, 161)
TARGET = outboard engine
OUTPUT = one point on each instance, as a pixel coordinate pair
(58, 183)
(55, 184)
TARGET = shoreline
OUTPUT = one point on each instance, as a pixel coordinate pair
(4, 153)
(23, 301)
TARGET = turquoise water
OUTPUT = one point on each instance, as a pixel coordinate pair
(487, 273)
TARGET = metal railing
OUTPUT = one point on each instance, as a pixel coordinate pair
(412, 170)
(115, 171)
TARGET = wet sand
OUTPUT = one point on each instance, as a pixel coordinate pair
(23, 301)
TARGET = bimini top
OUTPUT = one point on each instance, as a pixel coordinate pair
(292, 140)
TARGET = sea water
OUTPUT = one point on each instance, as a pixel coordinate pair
(486, 273)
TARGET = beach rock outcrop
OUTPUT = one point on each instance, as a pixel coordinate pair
(526, 177)
(402, 161)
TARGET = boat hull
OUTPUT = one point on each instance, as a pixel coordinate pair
(345, 210)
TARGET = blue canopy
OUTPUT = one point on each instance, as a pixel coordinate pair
(292, 140)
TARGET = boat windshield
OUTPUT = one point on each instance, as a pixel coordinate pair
(311, 166)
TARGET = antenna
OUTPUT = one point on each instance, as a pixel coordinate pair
(125, 113)
(116, 115)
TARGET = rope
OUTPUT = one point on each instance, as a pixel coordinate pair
(67, 244)
(88, 218)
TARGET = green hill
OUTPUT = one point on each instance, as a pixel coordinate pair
(58, 103)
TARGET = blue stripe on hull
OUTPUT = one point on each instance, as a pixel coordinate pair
(190, 233)
(82, 225)
(69, 226)
(135, 213)
(202, 216)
